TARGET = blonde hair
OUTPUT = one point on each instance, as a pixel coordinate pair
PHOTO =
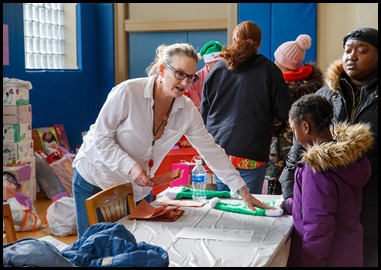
(165, 53)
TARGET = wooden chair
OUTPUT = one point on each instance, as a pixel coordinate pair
(9, 225)
(114, 203)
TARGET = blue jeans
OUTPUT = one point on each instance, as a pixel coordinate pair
(81, 191)
(253, 177)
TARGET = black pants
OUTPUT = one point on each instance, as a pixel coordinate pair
(370, 251)
(274, 187)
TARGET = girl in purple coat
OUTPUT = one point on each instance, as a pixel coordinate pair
(327, 196)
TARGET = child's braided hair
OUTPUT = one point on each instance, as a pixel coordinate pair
(312, 108)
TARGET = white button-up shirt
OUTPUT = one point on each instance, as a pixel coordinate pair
(122, 136)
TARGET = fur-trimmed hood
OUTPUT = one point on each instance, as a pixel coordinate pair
(352, 142)
(333, 74)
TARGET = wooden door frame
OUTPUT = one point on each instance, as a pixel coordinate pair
(123, 26)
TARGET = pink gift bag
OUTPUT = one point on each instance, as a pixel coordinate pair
(187, 175)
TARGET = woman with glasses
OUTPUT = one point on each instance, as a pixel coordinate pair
(242, 95)
(138, 125)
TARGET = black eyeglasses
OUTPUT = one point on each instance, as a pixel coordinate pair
(181, 75)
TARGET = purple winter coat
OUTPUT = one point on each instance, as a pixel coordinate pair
(327, 200)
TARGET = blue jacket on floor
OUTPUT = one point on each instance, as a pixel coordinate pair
(32, 252)
(112, 245)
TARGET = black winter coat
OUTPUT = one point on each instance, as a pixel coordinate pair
(239, 106)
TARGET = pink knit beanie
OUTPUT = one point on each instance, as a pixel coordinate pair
(291, 53)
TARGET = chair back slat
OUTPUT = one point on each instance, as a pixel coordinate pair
(114, 203)
(9, 226)
(114, 210)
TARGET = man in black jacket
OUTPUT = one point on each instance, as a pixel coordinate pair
(352, 88)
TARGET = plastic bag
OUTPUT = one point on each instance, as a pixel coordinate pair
(61, 217)
(24, 215)
(10, 185)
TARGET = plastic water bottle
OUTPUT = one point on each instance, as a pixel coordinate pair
(199, 182)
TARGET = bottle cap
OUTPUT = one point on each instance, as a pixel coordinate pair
(199, 162)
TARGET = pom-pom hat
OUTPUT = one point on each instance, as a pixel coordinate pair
(291, 53)
(210, 51)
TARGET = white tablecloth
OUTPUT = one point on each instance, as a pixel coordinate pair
(269, 245)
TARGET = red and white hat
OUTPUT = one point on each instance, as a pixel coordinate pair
(210, 51)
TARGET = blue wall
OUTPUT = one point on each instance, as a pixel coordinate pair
(280, 23)
(69, 97)
(141, 56)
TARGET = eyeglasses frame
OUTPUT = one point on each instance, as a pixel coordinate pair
(194, 77)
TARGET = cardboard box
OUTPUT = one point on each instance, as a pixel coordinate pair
(17, 132)
(17, 114)
(64, 170)
(27, 186)
(32, 161)
(16, 92)
(13, 152)
(47, 137)
(61, 136)
(36, 140)
(22, 171)
(48, 180)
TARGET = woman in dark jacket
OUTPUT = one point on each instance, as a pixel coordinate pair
(242, 95)
(352, 89)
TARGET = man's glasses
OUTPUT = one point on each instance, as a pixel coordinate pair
(181, 75)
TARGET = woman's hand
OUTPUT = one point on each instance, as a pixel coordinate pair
(139, 176)
(251, 201)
